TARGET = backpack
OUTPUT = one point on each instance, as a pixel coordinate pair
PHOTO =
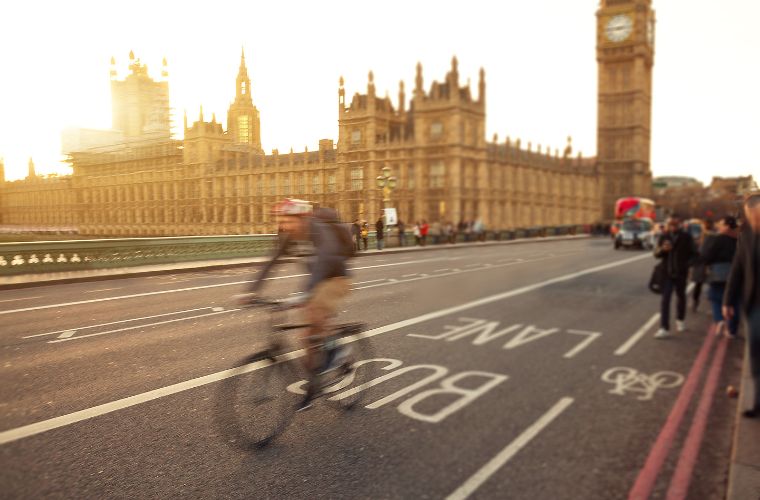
(343, 235)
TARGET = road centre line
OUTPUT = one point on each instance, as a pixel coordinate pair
(493, 465)
(201, 287)
(392, 281)
(22, 298)
(103, 289)
(78, 416)
(67, 339)
(369, 281)
(115, 322)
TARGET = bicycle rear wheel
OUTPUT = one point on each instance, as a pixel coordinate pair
(258, 407)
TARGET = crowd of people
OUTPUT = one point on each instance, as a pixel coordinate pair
(726, 257)
(419, 234)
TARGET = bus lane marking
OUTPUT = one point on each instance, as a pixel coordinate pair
(483, 331)
(447, 386)
(42, 426)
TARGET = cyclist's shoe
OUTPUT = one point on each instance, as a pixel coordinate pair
(337, 357)
(307, 401)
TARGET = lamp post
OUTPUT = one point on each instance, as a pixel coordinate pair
(387, 183)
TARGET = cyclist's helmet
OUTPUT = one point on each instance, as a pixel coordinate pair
(291, 206)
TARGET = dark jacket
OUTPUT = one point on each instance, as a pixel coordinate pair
(719, 248)
(379, 226)
(744, 280)
(680, 257)
(327, 262)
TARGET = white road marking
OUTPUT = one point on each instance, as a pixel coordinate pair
(493, 465)
(103, 289)
(592, 336)
(369, 281)
(628, 344)
(78, 416)
(115, 322)
(59, 339)
(440, 270)
(392, 281)
(409, 275)
(22, 298)
(201, 287)
(67, 334)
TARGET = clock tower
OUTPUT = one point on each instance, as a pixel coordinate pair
(625, 56)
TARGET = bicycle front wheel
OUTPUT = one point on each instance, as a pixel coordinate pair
(257, 405)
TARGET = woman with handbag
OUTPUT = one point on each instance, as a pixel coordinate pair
(717, 255)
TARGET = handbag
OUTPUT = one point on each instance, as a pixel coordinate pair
(657, 278)
(719, 272)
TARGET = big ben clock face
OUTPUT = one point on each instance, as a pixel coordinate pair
(618, 28)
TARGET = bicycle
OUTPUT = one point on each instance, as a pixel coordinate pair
(261, 400)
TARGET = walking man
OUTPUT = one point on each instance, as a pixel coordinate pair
(401, 233)
(676, 249)
(380, 234)
(744, 285)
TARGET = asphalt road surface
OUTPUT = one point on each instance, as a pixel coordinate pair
(542, 381)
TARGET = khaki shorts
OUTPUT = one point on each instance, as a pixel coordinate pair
(325, 299)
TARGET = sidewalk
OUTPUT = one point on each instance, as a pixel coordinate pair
(744, 474)
(43, 279)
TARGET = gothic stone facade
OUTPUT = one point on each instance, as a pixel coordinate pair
(218, 181)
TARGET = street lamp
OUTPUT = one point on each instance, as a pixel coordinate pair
(387, 183)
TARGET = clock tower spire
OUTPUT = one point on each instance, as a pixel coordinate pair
(625, 56)
(243, 122)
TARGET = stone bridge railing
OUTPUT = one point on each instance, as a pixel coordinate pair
(72, 255)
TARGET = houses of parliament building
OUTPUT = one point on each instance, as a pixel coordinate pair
(136, 180)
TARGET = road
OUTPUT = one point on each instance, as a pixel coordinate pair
(545, 382)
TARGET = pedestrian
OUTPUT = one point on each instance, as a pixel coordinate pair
(447, 230)
(479, 229)
(435, 232)
(676, 249)
(744, 286)
(356, 231)
(717, 254)
(417, 234)
(379, 233)
(453, 233)
(365, 234)
(697, 230)
(424, 230)
(401, 233)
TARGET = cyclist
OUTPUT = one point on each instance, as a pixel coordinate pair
(328, 282)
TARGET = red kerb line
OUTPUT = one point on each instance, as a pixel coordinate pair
(679, 485)
(644, 484)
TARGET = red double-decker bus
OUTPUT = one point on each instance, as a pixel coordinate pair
(634, 207)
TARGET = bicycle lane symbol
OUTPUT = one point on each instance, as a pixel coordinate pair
(629, 380)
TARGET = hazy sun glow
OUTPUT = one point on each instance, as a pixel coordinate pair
(539, 59)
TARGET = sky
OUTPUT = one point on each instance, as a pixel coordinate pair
(539, 58)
